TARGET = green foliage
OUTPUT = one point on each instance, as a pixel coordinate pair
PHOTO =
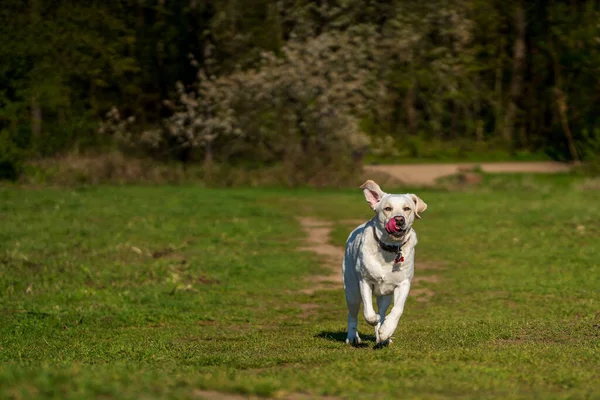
(63, 60)
(590, 151)
(181, 289)
(11, 157)
(421, 71)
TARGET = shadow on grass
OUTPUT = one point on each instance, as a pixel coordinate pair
(340, 336)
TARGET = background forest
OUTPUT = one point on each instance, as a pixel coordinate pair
(298, 86)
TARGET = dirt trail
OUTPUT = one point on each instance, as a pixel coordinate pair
(214, 395)
(317, 241)
(426, 174)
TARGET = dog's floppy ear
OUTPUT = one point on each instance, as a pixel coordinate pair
(420, 205)
(373, 193)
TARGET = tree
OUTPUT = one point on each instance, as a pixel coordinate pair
(516, 85)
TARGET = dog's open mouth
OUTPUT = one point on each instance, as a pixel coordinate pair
(394, 229)
(398, 234)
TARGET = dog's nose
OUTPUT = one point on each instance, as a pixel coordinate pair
(399, 219)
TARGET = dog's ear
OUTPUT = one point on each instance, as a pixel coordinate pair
(373, 193)
(420, 205)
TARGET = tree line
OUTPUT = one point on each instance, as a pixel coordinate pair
(304, 83)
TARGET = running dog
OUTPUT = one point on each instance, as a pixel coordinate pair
(380, 260)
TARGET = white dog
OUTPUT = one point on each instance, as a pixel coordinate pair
(379, 260)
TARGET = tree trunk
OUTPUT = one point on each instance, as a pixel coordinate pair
(523, 136)
(499, 101)
(36, 108)
(561, 102)
(516, 85)
(411, 113)
(479, 130)
(36, 119)
(453, 120)
(478, 121)
(208, 155)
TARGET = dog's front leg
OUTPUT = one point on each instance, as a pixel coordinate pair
(391, 321)
(383, 303)
(366, 292)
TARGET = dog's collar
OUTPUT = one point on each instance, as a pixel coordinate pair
(392, 248)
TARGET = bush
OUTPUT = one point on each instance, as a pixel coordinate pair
(293, 113)
(107, 168)
(589, 149)
(11, 157)
(116, 168)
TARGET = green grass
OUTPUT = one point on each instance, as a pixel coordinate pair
(152, 292)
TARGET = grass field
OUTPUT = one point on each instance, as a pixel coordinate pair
(167, 292)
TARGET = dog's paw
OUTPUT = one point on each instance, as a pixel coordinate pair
(372, 319)
(384, 332)
(353, 340)
(379, 340)
(385, 343)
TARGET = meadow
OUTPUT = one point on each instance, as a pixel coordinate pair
(140, 292)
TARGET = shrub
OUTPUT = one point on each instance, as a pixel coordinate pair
(296, 110)
(11, 157)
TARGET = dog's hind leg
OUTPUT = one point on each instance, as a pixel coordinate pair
(353, 299)
(353, 307)
(383, 303)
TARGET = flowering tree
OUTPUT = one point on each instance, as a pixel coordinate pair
(302, 104)
(200, 116)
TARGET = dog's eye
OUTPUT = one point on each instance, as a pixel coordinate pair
(388, 208)
(406, 208)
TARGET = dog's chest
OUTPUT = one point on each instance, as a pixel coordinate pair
(383, 274)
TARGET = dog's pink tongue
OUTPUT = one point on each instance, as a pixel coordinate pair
(391, 226)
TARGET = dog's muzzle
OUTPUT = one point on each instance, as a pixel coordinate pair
(396, 226)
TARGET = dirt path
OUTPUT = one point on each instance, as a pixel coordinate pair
(426, 174)
(214, 395)
(317, 241)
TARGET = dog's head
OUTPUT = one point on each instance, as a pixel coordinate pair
(395, 212)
